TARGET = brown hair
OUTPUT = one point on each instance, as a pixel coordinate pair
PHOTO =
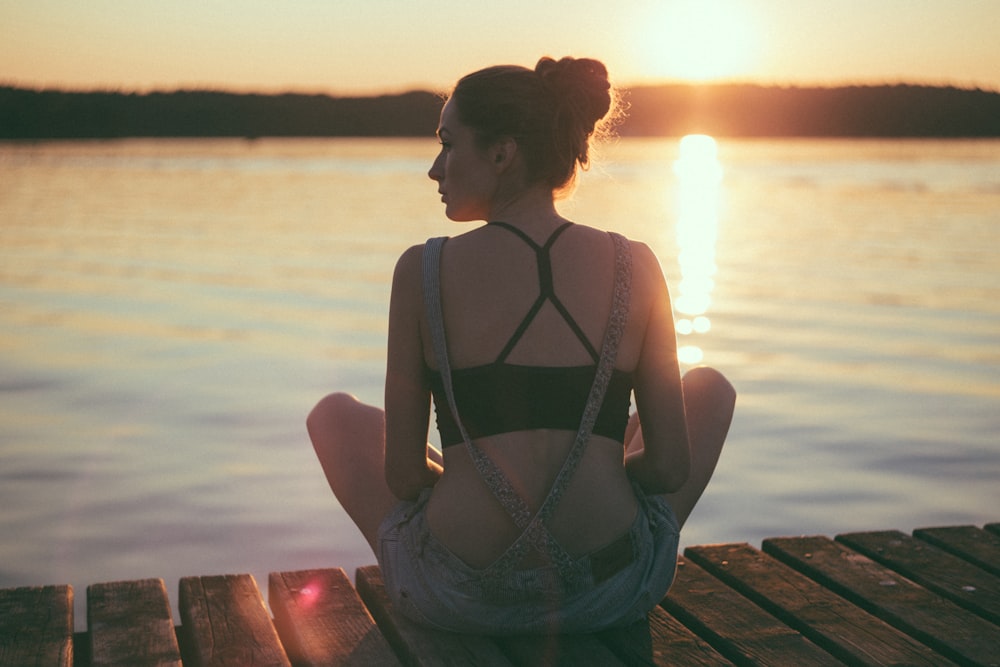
(551, 112)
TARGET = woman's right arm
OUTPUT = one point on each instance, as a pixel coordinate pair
(408, 469)
(664, 462)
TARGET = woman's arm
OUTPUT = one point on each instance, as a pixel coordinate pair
(407, 396)
(664, 462)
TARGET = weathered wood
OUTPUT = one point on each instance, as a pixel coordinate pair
(864, 598)
(847, 632)
(416, 645)
(929, 566)
(736, 627)
(322, 621)
(557, 650)
(227, 623)
(663, 640)
(36, 626)
(937, 622)
(130, 625)
(978, 546)
(632, 644)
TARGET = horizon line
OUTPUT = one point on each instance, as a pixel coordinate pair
(426, 88)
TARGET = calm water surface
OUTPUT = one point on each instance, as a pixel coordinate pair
(170, 311)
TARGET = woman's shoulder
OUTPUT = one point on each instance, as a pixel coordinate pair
(409, 266)
(648, 282)
(412, 256)
(643, 257)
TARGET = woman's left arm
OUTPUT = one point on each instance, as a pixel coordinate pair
(407, 396)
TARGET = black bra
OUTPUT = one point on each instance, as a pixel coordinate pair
(502, 398)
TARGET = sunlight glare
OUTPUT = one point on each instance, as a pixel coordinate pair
(699, 189)
(690, 354)
(697, 40)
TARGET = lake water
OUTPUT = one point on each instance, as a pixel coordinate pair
(171, 310)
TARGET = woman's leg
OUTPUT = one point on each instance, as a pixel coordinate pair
(349, 439)
(709, 401)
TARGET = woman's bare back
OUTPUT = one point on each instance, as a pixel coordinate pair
(489, 282)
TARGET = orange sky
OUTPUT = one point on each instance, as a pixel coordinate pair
(367, 46)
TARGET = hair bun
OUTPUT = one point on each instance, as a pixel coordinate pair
(579, 83)
(552, 112)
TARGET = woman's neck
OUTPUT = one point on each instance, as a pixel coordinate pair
(532, 210)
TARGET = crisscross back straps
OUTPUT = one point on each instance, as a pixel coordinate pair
(546, 291)
(534, 531)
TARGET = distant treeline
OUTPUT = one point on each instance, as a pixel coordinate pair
(856, 111)
(30, 114)
(674, 110)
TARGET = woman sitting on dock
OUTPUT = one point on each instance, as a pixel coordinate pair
(550, 508)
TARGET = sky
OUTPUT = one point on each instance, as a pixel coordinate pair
(362, 47)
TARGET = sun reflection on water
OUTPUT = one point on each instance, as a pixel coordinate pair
(699, 183)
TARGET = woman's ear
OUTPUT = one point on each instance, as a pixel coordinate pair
(503, 153)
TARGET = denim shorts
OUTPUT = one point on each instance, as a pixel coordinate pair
(432, 586)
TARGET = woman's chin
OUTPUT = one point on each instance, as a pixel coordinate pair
(461, 216)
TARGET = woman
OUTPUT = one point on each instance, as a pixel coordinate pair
(550, 509)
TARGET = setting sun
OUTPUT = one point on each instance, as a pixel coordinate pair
(698, 41)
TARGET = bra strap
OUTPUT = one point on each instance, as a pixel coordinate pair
(546, 291)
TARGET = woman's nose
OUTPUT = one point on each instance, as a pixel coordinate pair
(434, 173)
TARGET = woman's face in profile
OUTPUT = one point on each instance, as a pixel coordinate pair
(464, 172)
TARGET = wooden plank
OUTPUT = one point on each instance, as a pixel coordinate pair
(322, 621)
(933, 568)
(736, 627)
(227, 624)
(416, 645)
(130, 625)
(662, 640)
(557, 650)
(36, 626)
(632, 644)
(978, 546)
(848, 632)
(937, 622)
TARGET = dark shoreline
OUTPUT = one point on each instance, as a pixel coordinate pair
(724, 110)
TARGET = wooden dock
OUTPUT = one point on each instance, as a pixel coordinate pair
(873, 598)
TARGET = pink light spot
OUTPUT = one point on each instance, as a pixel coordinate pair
(309, 595)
